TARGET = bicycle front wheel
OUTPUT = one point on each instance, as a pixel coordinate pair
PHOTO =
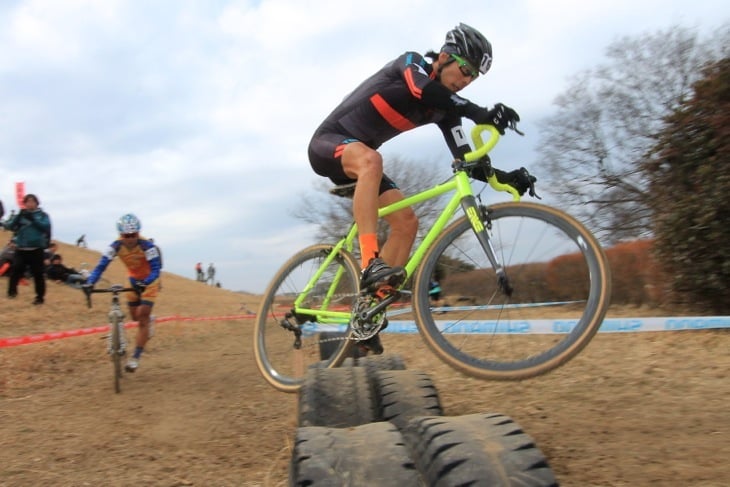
(560, 282)
(312, 294)
(116, 354)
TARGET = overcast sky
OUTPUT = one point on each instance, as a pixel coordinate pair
(195, 115)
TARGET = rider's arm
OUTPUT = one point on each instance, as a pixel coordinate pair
(455, 136)
(106, 258)
(431, 92)
(152, 254)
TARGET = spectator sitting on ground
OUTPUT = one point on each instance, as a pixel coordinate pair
(60, 273)
(6, 259)
(49, 253)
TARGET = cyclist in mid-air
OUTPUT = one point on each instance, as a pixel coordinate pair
(408, 92)
(142, 259)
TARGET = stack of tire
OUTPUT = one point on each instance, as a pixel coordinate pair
(374, 423)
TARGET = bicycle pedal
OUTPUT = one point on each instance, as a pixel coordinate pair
(385, 292)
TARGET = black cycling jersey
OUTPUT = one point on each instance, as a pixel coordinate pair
(404, 94)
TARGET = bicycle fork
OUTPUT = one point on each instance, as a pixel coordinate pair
(481, 224)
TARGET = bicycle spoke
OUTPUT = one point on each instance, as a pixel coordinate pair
(311, 297)
(556, 278)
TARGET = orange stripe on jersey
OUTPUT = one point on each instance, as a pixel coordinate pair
(340, 149)
(395, 119)
(415, 90)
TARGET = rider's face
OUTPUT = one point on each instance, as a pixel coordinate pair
(454, 76)
(129, 240)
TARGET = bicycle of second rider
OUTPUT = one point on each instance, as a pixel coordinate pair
(524, 288)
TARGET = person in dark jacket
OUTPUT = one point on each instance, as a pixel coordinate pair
(31, 229)
(56, 271)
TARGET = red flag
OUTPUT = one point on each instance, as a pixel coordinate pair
(20, 194)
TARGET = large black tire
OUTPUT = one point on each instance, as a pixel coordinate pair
(337, 398)
(476, 450)
(375, 363)
(405, 394)
(368, 455)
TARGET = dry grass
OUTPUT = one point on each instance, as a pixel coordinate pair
(66, 306)
(631, 410)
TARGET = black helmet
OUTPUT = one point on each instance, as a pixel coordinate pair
(470, 44)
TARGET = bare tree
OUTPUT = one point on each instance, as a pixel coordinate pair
(610, 117)
(333, 214)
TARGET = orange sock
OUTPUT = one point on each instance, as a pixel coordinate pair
(368, 247)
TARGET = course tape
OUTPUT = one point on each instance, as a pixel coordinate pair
(609, 325)
(57, 335)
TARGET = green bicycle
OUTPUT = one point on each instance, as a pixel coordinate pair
(530, 287)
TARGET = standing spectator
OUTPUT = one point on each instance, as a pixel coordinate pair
(81, 241)
(142, 259)
(211, 274)
(199, 275)
(31, 228)
(58, 272)
(2, 212)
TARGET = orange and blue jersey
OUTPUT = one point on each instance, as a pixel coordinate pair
(143, 261)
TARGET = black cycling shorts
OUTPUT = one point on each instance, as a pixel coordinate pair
(325, 156)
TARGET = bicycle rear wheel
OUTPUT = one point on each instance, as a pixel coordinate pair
(561, 290)
(313, 292)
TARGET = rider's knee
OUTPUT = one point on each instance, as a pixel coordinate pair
(364, 163)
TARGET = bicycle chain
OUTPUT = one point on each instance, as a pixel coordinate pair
(363, 305)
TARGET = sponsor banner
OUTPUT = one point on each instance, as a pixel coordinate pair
(20, 194)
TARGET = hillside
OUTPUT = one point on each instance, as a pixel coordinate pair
(632, 409)
(66, 306)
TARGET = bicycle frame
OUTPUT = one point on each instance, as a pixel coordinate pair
(463, 196)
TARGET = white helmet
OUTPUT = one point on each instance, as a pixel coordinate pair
(129, 224)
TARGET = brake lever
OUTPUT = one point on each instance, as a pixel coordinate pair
(513, 125)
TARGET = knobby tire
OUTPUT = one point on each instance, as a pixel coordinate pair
(559, 273)
(281, 363)
(116, 356)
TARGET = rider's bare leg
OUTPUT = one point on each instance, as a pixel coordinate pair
(366, 165)
(141, 314)
(403, 227)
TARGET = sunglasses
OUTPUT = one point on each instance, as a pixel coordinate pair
(130, 235)
(466, 69)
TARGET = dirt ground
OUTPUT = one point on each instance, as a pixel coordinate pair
(641, 409)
